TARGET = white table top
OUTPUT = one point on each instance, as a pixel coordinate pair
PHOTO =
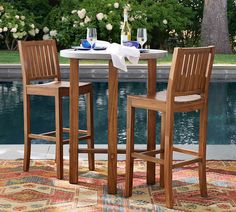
(104, 55)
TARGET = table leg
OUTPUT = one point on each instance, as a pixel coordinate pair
(151, 133)
(112, 128)
(74, 116)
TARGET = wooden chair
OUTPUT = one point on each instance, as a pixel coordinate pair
(187, 91)
(40, 62)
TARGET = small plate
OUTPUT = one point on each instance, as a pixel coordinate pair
(99, 48)
(80, 48)
(143, 50)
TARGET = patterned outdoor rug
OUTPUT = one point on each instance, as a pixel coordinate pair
(39, 190)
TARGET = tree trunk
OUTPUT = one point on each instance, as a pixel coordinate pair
(215, 26)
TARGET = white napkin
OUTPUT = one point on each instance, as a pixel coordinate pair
(119, 52)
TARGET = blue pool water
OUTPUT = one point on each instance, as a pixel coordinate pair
(221, 120)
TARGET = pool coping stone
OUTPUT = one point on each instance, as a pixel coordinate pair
(136, 73)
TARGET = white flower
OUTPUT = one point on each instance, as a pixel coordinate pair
(74, 25)
(100, 16)
(109, 27)
(138, 17)
(81, 13)
(17, 16)
(74, 11)
(116, 5)
(165, 21)
(105, 16)
(20, 35)
(45, 29)
(14, 29)
(36, 30)
(1, 8)
(127, 6)
(32, 26)
(81, 24)
(15, 35)
(5, 29)
(63, 19)
(131, 19)
(0, 29)
(46, 37)
(22, 23)
(22, 17)
(53, 33)
(7, 15)
(87, 20)
(32, 32)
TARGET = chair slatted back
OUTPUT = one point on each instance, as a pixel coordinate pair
(191, 70)
(39, 60)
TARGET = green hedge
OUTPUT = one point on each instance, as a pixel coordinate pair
(169, 23)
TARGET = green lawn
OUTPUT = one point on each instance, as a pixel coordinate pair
(12, 57)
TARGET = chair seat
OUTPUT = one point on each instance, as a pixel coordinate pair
(50, 88)
(161, 96)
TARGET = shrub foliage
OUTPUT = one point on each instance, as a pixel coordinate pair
(169, 23)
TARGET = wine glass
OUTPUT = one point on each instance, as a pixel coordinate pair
(142, 36)
(91, 36)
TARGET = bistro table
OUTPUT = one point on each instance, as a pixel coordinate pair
(76, 55)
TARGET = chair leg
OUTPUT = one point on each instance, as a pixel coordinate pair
(162, 147)
(90, 129)
(202, 152)
(168, 158)
(59, 130)
(151, 145)
(27, 140)
(129, 150)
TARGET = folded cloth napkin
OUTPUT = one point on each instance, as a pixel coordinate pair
(119, 53)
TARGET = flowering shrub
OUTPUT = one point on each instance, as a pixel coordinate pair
(169, 23)
(105, 15)
(15, 25)
(160, 19)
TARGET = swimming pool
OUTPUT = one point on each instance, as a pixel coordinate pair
(221, 119)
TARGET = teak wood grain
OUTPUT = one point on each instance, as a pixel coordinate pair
(112, 150)
(40, 62)
(187, 91)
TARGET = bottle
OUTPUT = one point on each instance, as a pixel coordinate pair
(126, 30)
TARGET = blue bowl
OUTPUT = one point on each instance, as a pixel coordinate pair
(131, 43)
(86, 44)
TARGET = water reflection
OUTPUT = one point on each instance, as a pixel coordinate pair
(221, 121)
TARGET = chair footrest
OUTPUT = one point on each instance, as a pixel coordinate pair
(153, 152)
(147, 158)
(67, 130)
(104, 150)
(84, 137)
(42, 137)
(185, 151)
(186, 162)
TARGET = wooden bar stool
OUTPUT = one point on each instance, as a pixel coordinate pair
(39, 61)
(187, 91)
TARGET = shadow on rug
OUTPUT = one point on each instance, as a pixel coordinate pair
(39, 190)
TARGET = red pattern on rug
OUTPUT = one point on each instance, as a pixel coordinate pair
(39, 190)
